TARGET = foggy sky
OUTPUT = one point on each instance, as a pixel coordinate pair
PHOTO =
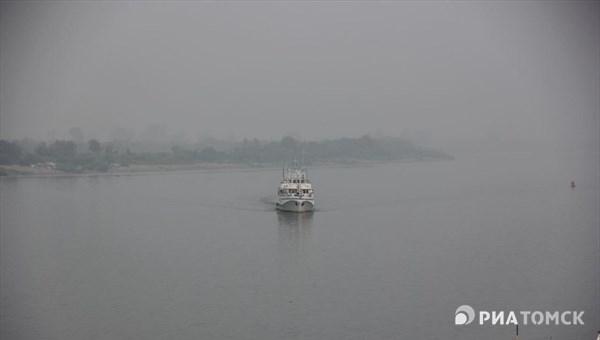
(460, 70)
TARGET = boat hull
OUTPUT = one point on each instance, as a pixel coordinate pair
(295, 205)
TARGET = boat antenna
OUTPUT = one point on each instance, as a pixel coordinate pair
(303, 154)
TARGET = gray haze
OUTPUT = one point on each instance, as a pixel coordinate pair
(456, 70)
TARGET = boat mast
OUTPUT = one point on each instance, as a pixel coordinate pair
(283, 169)
(302, 165)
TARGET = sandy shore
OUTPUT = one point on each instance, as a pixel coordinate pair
(17, 170)
(178, 167)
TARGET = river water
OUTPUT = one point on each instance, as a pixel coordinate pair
(390, 253)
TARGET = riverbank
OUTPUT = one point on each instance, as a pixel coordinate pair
(17, 170)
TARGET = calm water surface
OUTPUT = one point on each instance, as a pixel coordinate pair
(391, 252)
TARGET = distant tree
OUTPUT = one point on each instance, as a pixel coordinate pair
(27, 145)
(289, 142)
(42, 150)
(94, 146)
(176, 149)
(68, 157)
(10, 152)
(180, 154)
(208, 154)
(63, 149)
(30, 159)
(109, 149)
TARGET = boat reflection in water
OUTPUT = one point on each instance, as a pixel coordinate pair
(295, 272)
(294, 229)
(290, 219)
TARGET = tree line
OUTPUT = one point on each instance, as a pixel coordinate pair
(93, 155)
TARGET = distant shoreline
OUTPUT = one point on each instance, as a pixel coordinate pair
(25, 171)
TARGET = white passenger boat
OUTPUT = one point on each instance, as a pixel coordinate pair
(295, 190)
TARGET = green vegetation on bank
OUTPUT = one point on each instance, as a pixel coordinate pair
(68, 156)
